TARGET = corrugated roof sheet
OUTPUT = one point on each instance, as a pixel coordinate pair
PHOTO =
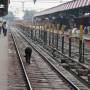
(65, 6)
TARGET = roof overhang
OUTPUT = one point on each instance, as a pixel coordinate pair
(66, 6)
(4, 8)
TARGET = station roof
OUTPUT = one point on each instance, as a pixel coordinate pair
(66, 6)
(4, 7)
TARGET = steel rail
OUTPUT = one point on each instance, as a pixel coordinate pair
(24, 70)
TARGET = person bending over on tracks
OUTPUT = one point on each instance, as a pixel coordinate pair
(28, 52)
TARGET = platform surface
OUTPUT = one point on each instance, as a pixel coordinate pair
(87, 37)
(3, 62)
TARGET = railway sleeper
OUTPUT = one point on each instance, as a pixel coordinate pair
(71, 65)
(53, 52)
(52, 49)
(63, 60)
(89, 78)
(70, 61)
(66, 66)
(39, 41)
(48, 48)
(82, 72)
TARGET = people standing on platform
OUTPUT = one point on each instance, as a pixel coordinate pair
(85, 30)
(4, 28)
(28, 52)
(75, 31)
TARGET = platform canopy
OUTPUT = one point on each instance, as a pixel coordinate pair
(66, 6)
(4, 7)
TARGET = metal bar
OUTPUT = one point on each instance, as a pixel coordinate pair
(35, 30)
(83, 51)
(62, 44)
(70, 40)
(81, 44)
(31, 33)
(46, 34)
(80, 51)
(62, 29)
(49, 34)
(53, 34)
(39, 30)
(57, 36)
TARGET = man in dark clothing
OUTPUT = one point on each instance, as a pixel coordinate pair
(4, 28)
(28, 52)
(85, 30)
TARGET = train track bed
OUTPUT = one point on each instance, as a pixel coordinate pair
(41, 75)
(60, 68)
(80, 70)
(15, 74)
(74, 47)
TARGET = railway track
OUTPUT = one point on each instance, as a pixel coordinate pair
(55, 78)
(45, 78)
(16, 77)
(79, 70)
(59, 83)
(73, 78)
(74, 50)
(23, 67)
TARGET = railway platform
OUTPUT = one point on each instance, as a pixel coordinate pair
(3, 62)
(87, 40)
(11, 75)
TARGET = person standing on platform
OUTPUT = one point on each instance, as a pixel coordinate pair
(85, 30)
(4, 28)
